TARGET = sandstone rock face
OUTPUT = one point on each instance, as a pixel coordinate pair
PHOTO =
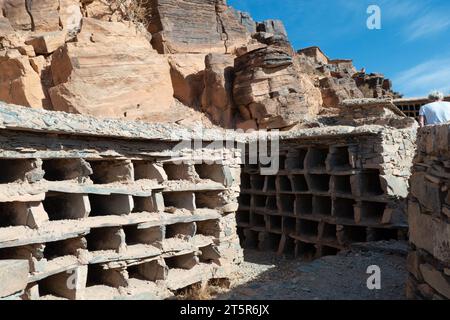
(19, 82)
(17, 14)
(186, 71)
(270, 90)
(111, 71)
(217, 99)
(195, 26)
(339, 80)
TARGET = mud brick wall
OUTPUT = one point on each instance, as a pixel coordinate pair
(429, 217)
(99, 209)
(331, 191)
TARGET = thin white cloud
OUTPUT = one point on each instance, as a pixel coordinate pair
(425, 77)
(429, 24)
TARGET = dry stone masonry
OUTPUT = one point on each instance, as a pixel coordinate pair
(103, 209)
(429, 217)
(336, 186)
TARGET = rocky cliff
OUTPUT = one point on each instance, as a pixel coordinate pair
(168, 61)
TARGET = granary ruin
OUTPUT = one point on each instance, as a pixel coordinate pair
(108, 205)
(126, 162)
(335, 187)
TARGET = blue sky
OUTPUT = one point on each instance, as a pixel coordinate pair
(412, 48)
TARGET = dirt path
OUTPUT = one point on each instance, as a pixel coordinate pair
(266, 276)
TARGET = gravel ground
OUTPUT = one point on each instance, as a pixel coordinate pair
(265, 276)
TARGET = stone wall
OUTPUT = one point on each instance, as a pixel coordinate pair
(336, 186)
(103, 209)
(429, 217)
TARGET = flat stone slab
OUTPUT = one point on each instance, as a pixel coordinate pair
(13, 276)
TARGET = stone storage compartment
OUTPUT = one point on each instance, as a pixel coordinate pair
(331, 191)
(110, 214)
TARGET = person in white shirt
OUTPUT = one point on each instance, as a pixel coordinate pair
(436, 112)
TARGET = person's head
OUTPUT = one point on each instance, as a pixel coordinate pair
(436, 96)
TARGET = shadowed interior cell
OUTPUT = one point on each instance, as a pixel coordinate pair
(178, 171)
(270, 184)
(308, 228)
(344, 208)
(342, 185)
(258, 220)
(245, 199)
(329, 232)
(62, 206)
(271, 203)
(286, 203)
(17, 170)
(66, 169)
(257, 182)
(111, 205)
(289, 225)
(306, 251)
(316, 158)
(370, 183)
(245, 181)
(319, 182)
(299, 183)
(303, 204)
(284, 184)
(243, 217)
(322, 205)
(214, 172)
(296, 159)
(340, 159)
(275, 224)
(372, 211)
(259, 202)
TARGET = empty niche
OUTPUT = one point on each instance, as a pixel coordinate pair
(270, 184)
(214, 172)
(316, 158)
(17, 170)
(69, 247)
(13, 214)
(296, 159)
(66, 169)
(329, 251)
(372, 211)
(352, 234)
(269, 241)
(329, 232)
(257, 182)
(178, 171)
(342, 184)
(303, 204)
(110, 171)
(115, 278)
(344, 208)
(209, 228)
(136, 235)
(282, 164)
(244, 199)
(180, 200)
(286, 203)
(370, 183)
(340, 159)
(290, 247)
(56, 285)
(107, 238)
(209, 200)
(308, 228)
(62, 206)
(258, 220)
(289, 225)
(306, 251)
(209, 254)
(148, 170)
(259, 201)
(181, 230)
(144, 204)
(382, 234)
(275, 223)
(243, 217)
(271, 203)
(151, 271)
(299, 183)
(319, 182)
(250, 238)
(115, 204)
(186, 261)
(322, 205)
(284, 184)
(245, 181)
